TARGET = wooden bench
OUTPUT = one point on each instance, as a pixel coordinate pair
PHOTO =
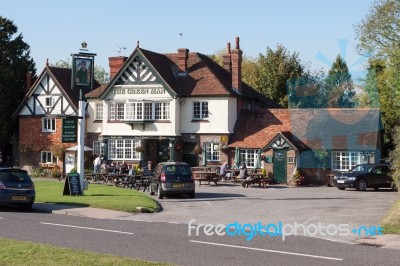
(205, 176)
(262, 182)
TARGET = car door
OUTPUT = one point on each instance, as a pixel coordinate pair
(379, 176)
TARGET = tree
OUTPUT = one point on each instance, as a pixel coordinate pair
(379, 32)
(339, 88)
(99, 73)
(276, 68)
(15, 63)
(379, 35)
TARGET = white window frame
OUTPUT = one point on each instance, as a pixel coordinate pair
(248, 156)
(345, 160)
(48, 101)
(47, 157)
(212, 151)
(49, 124)
(98, 148)
(123, 149)
(139, 111)
(99, 111)
(200, 110)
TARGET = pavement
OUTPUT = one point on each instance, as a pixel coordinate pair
(382, 241)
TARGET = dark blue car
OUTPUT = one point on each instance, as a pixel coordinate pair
(16, 188)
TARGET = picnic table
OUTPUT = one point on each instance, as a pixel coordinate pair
(207, 176)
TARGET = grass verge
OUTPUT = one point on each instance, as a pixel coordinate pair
(391, 221)
(26, 253)
(97, 196)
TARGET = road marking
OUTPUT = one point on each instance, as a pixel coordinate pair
(89, 228)
(268, 250)
(309, 220)
(208, 203)
(1, 218)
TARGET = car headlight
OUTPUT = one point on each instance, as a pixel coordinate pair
(351, 178)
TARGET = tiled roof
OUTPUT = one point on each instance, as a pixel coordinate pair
(310, 128)
(256, 128)
(204, 77)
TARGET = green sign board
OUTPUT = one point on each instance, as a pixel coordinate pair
(69, 130)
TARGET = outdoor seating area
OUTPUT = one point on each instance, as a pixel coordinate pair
(211, 175)
(120, 180)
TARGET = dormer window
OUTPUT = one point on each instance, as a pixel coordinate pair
(48, 101)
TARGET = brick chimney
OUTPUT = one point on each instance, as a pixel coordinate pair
(237, 66)
(226, 58)
(115, 64)
(183, 55)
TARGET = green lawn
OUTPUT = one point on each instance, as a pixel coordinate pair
(391, 221)
(98, 196)
(27, 253)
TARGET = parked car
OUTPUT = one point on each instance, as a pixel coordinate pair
(172, 178)
(16, 188)
(365, 176)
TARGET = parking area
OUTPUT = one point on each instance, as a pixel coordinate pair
(228, 203)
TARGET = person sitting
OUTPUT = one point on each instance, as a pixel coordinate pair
(223, 172)
(243, 172)
(131, 170)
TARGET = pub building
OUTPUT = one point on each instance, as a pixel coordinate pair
(185, 107)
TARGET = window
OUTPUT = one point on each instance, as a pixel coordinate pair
(200, 110)
(99, 111)
(98, 148)
(48, 101)
(212, 151)
(123, 149)
(139, 111)
(47, 157)
(120, 111)
(48, 124)
(248, 157)
(344, 161)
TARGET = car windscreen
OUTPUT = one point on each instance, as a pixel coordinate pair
(183, 172)
(362, 168)
(14, 176)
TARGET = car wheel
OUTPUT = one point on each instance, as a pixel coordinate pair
(361, 185)
(192, 195)
(341, 188)
(151, 192)
(159, 192)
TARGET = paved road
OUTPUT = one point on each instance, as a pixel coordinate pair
(165, 242)
(310, 206)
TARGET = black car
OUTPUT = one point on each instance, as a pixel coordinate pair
(365, 176)
(16, 188)
(172, 178)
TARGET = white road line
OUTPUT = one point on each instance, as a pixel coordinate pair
(1, 218)
(268, 250)
(208, 203)
(309, 220)
(89, 228)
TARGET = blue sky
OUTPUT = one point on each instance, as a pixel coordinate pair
(55, 29)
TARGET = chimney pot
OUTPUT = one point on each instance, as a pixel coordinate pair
(237, 43)
(226, 58)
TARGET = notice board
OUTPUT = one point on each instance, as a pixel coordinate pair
(72, 185)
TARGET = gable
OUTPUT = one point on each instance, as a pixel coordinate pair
(136, 72)
(46, 97)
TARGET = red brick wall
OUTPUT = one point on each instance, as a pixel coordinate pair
(31, 135)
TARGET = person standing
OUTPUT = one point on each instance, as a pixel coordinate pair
(82, 76)
(96, 164)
